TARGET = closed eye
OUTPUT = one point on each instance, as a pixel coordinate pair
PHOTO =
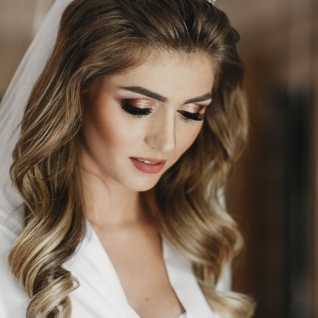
(133, 110)
(193, 116)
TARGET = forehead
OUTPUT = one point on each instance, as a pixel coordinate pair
(170, 74)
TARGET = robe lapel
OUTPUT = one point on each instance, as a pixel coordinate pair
(101, 295)
(184, 283)
(100, 288)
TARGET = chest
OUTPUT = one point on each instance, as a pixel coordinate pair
(101, 294)
(138, 261)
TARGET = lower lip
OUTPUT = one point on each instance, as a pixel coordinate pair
(148, 168)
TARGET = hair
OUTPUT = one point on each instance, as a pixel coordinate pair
(99, 38)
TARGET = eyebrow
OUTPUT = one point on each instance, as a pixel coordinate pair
(198, 99)
(148, 93)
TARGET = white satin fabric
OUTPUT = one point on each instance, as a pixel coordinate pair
(100, 294)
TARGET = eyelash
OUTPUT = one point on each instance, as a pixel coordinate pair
(140, 112)
(191, 116)
(135, 111)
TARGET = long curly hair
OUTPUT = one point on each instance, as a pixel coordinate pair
(99, 38)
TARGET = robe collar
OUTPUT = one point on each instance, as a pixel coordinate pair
(96, 274)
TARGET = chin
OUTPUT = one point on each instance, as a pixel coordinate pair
(143, 185)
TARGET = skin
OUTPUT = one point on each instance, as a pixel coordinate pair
(111, 183)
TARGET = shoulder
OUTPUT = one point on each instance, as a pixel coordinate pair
(13, 300)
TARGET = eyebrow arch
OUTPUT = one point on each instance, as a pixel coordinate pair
(148, 93)
(198, 99)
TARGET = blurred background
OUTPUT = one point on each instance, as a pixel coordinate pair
(273, 191)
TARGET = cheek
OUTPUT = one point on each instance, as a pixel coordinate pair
(187, 136)
(99, 132)
(115, 131)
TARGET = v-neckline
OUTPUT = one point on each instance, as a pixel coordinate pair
(178, 268)
(117, 281)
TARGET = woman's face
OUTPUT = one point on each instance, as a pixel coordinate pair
(138, 124)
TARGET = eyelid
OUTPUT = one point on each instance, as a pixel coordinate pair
(191, 116)
(193, 108)
(137, 112)
(139, 102)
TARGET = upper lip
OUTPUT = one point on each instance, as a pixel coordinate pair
(150, 159)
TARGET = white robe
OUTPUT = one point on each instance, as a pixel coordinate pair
(100, 294)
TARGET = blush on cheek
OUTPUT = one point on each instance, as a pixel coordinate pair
(187, 138)
(115, 132)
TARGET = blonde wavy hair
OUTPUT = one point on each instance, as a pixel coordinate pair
(99, 38)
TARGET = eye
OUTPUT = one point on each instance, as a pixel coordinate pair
(138, 112)
(191, 116)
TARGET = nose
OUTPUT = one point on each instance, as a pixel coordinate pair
(162, 133)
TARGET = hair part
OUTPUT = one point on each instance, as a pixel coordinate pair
(101, 38)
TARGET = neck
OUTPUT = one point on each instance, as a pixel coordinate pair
(108, 203)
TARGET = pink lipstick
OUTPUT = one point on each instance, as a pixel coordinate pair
(148, 165)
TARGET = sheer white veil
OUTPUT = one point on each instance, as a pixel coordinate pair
(16, 97)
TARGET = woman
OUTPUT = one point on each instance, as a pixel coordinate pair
(128, 135)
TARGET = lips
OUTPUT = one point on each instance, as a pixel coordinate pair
(148, 165)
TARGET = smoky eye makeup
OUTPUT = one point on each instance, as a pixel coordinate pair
(135, 108)
(189, 115)
(193, 112)
(141, 107)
